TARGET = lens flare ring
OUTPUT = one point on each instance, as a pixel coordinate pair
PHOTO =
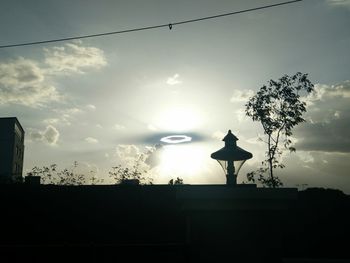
(173, 139)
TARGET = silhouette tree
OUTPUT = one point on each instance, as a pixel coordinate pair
(136, 172)
(51, 175)
(177, 181)
(279, 108)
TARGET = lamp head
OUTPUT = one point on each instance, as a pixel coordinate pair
(231, 157)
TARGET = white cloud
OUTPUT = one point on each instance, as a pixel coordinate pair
(322, 92)
(90, 171)
(256, 140)
(99, 126)
(345, 3)
(51, 121)
(129, 154)
(91, 107)
(306, 157)
(218, 135)
(29, 82)
(240, 114)
(174, 80)
(91, 140)
(70, 111)
(22, 81)
(337, 114)
(127, 151)
(73, 58)
(241, 95)
(65, 116)
(151, 127)
(86, 168)
(341, 90)
(336, 97)
(118, 127)
(50, 135)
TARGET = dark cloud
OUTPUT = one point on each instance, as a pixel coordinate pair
(327, 137)
(328, 120)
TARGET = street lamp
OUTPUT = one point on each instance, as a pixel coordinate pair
(231, 158)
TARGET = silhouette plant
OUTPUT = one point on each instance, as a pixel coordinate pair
(279, 108)
(177, 181)
(137, 171)
(51, 175)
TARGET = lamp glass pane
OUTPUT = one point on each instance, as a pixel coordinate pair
(237, 164)
(223, 164)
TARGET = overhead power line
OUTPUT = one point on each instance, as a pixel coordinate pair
(170, 26)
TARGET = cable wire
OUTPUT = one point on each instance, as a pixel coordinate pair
(169, 25)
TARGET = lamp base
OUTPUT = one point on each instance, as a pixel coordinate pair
(231, 179)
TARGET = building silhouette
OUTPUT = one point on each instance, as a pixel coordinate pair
(11, 150)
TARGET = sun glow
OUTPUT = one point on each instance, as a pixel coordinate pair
(178, 119)
(183, 161)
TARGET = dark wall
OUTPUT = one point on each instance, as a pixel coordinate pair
(162, 223)
(6, 146)
(11, 150)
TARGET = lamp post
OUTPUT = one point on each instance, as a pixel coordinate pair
(231, 158)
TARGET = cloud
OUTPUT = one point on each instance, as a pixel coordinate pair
(241, 95)
(50, 135)
(91, 140)
(127, 151)
(86, 168)
(174, 80)
(29, 82)
(327, 137)
(65, 116)
(306, 157)
(240, 115)
(91, 107)
(23, 82)
(130, 155)
(218, 135)
(323, 92)
(69, 111)
(118, 127)
(51, 121)
(345, 3)
(328, 117)
(73, 58)
(152, 127)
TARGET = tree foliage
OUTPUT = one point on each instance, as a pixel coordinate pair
(137, 171)
(52, 175)
(177, 181)
(279, 108)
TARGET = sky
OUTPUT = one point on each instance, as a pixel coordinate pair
(103, 101)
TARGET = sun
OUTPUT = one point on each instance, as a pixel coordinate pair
(184, 161)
